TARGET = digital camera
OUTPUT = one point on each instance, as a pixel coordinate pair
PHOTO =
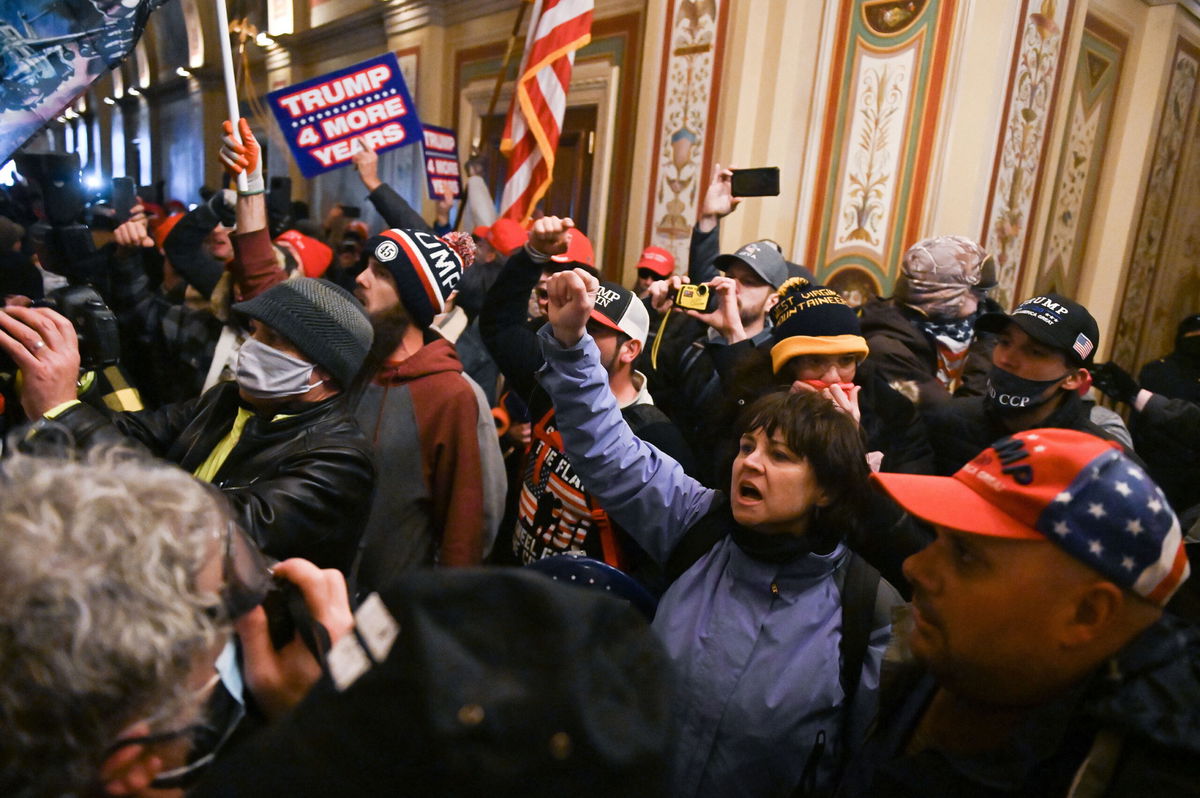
(697, 297)
(94, 323)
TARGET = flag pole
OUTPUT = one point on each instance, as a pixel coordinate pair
(508, 54)
(231, 99)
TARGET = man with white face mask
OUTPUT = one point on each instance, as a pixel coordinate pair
(280, 442)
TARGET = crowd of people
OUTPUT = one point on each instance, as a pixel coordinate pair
(301, 507)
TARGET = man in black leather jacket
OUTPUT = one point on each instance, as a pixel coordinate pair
(280, 443)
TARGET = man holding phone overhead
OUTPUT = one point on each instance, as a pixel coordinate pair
(726, 309)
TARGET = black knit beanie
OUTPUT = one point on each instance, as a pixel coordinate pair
(813, 320)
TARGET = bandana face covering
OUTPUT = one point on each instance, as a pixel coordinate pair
(1009, 394)
(266, 373)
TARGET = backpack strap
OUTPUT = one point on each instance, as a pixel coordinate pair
(859, 591)
(860, 584)
(1095, 774)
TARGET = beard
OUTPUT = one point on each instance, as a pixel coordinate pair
(389, 325)
(751, 315)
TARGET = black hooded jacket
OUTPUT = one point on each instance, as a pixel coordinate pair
(904, 354)
(962, 428)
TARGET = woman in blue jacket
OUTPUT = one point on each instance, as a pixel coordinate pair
(753, 625)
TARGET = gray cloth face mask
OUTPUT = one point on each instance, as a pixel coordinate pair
(264, 372)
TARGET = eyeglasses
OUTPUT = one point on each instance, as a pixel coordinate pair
(223, 715)
(246, 579)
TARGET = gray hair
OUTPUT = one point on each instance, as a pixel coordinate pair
(101, 619)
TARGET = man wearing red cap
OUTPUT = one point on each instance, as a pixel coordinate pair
(1037, 659)
(654, 264)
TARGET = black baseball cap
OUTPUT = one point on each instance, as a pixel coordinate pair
(1052, 320)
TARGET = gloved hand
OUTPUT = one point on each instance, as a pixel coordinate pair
(222, 203)
(243, 157)
(1115, 382)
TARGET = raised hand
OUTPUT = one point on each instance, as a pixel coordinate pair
(366, 162)
(572, 295)
(718, 198)
(548, 235)
(242, 156)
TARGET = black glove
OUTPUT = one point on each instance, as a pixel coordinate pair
(1116, 382)
(221, 203)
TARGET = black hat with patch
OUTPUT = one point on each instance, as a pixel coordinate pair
(1054, 321)
(619, 309)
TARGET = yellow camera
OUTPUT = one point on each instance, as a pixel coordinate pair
(697, 297)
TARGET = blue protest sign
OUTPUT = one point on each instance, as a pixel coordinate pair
(441, 162)
(322, 117)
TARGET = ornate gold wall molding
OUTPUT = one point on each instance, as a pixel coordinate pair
(1081, 156)
(687, 103)
(1021, 151)
(886, 84)
(1151, 304)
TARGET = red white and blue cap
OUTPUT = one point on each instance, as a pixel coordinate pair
(1068, 487)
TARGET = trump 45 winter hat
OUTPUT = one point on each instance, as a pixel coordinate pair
(426, 269)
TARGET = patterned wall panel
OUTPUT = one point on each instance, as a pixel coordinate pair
(1168, 195)
(686, 107)
(1081, 159)
(885, 90)
(1028, 110)
(1176, 290)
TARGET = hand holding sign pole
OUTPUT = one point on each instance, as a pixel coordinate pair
(230, 87)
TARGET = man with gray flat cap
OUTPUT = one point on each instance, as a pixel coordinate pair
(280, 442)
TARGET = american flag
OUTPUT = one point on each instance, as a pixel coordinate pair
(1082, 346)
(1114, 518)
(557, 29)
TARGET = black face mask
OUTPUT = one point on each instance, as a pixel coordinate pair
(1010, 395)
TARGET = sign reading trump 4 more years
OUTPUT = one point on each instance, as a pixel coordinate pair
(322, 118)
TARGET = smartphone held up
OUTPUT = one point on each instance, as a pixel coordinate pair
(759, 182)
